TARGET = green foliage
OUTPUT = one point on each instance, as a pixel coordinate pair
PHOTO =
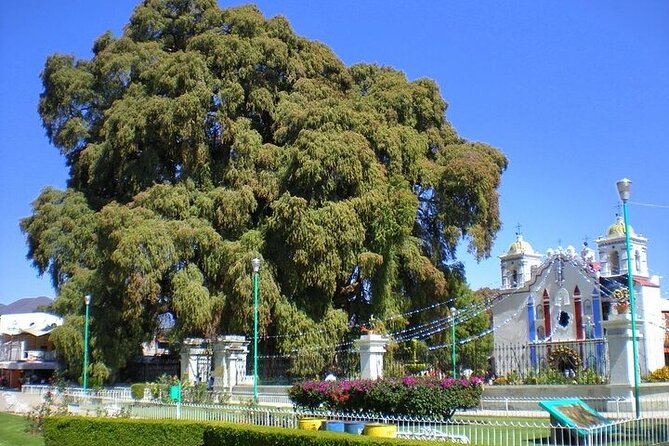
(83, 431)
(98, 374)
(160, 387)
(552, 375)
(201, 138)
(196, 393)
(89, 431)
(411, 396)
(137, 391)
(36, 416)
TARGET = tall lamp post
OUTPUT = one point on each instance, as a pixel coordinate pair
(624, 187)
(453, 312)
(256, 268)
(87, 300)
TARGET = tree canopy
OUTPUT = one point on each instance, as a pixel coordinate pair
(202, 138)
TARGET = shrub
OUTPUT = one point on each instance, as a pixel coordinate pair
(137, 391)
(659, 375)
(41, 412)
(413, 396)
(196, 393)
(89, 431)
(552, 375)
(85, 431)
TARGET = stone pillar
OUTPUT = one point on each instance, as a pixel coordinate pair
(371, 348)
(619, 334)
(195, 360)
(230, 361)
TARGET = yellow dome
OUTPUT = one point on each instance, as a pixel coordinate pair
(520, 246)
(618, 228)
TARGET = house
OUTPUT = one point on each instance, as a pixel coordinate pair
(26, 351)
(558, 302)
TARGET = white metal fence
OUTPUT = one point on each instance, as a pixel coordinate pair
(493, 427)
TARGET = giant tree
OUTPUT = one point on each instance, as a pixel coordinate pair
(202, 138)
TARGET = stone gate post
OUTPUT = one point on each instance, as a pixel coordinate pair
(371, 348)
(229, 362)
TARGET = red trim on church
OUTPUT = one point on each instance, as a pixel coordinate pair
(547, 313)
(578, 313)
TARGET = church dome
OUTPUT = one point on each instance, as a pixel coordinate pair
(618, 228)
(520, 246)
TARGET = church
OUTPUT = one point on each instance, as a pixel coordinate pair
(558, 301)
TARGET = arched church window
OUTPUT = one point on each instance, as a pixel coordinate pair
(540, 311)
(614, 261)
(541, 333)
(637, 262)
(587, 306)
(514, 278)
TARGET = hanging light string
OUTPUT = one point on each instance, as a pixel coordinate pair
(431, 328)
(438, 325)
(479, 335)
(514, 316)
(603, 289)
(435, 326)
(359, 326)
(662, 327)
(415, 330)
(342, 347)
(551, 262)
(608, 291)
(549, 336)
(650, 205)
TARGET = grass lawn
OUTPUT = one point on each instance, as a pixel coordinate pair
(12, 432)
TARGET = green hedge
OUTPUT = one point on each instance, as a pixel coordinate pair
(137, 391)
(89, 431)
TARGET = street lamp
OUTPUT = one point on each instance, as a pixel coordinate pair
(453, 312)
(256, 267)
(87, 300)
(624, 187)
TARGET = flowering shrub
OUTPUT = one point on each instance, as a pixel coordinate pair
(416, 396)
(659, 375)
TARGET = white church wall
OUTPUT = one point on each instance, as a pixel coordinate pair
(650, 305)
(510, 318)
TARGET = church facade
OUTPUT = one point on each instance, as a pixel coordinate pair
(560, 299)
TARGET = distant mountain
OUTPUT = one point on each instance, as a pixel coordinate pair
(25, 305)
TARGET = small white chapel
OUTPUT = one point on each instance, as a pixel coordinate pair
(562, 297)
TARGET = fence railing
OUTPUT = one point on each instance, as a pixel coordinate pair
(493, 427)
(277, 396)
(523, 358)
(492, 431)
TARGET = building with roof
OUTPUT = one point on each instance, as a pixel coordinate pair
(558, 301)
(26, 351)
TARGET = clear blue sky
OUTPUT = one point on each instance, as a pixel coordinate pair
(575, 93)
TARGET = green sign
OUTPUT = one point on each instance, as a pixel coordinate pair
(175, 392)
(575, 414)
